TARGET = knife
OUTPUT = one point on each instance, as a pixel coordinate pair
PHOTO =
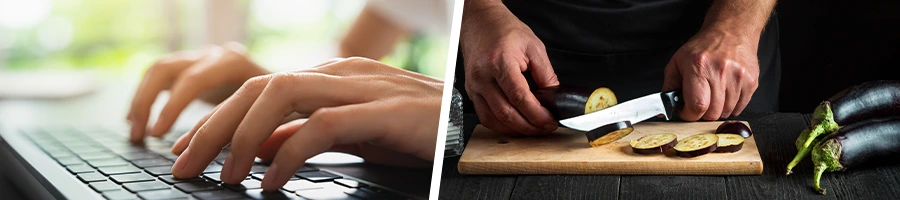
(633, 111)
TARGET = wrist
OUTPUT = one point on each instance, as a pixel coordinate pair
(734, 35)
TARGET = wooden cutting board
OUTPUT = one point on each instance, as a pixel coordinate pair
(567, 151)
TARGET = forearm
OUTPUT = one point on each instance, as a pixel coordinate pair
(372, 36)
(744, 18)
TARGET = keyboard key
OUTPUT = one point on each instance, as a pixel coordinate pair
(87, 149)
(76, 169)
(221, 161)
(107, 162)
(119, 195)
(261, 176)
(350, 183)
(105, 186)
(128, 178)
(157, 171)
(293, 186)
(172, 180)
(60, 154)
(152, 162)
(213, 177)
(330, 191)
(132, 156)
(213, 168)
(373, 193)
(307, 169)
(91, 177)
(163, 194)
(258, 169)
(70, 161)
(278, 194)
(97, 155)
(125, 169)
(318, 176)
(217, 194)
(145, 186)
(245, 185)
(170, 156)
(127, 149)
(197, 186)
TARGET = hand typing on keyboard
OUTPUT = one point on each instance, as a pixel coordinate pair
(355, 105)
(211, 74)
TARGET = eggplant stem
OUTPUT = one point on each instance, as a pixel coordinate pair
(818, 176)
(822, 125)
(800, 155)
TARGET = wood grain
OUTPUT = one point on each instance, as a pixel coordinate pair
(567, 152)
(567, 187)
(672, 187)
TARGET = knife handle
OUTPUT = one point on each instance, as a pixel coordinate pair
(673, 102)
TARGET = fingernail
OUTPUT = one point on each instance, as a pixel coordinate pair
(272, 177)
(228, 169)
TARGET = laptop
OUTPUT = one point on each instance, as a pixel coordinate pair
(68, 162)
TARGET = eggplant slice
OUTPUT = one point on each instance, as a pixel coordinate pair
(566, 102)
(656, 143)
(697, 145)
(609, 133)
(729, 143)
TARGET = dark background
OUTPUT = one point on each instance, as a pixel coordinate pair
(828, 45)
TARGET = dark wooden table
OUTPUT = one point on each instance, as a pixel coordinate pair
(775, 135)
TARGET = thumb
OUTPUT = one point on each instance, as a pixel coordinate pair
(541, 69)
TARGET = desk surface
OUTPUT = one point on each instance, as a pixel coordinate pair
(109, 104)
(775, 135)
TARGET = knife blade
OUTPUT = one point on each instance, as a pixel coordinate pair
(634, 111)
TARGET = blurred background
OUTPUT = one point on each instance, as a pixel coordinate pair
(122, 38)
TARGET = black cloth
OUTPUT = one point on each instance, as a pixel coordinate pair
(625, 45)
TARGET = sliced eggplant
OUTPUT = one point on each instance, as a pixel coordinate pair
(566, 102)
(656, 143)
(734, 127)
(696, 145)
(608, 133)
(729, 143)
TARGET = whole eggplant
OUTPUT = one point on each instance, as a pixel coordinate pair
(855, 144)
(859, 102)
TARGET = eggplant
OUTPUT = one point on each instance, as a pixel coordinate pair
(566, 102)
(862, 101)
(608, 133)
(656, 143)
(697, 145)
(855, 144)
(729, 143)
(735, 127)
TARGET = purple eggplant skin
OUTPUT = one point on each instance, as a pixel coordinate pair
(865, 101)
(695, 153)
(855, 144)
(734, 127)
(563, 102)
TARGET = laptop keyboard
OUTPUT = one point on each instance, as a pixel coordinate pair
(117, 169)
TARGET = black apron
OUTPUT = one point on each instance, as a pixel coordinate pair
(625, 45)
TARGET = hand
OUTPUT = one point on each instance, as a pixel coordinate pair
(718, 73)
(497, 48)
(353, 102)
(212, 74)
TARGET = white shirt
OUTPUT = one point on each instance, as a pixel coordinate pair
(430, 16)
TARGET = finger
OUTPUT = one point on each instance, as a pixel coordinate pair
(746, 94)
(186, 88)
(506, 114)
(696, 92)
(541, 69)
(732, 96)
(326, 127)
(285, 94)
(156, 79)
(486, 116)
(282, 133)
(213, 135)
(716, 100)
(182, 143)
(515, 87)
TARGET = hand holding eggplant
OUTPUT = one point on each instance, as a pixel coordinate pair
(497, 48)
(718, 72)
